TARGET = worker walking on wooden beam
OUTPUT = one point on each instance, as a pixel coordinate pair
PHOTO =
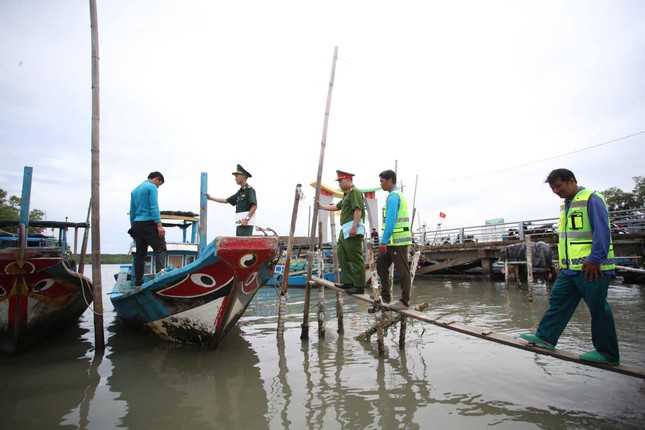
(396, 238)
(586, 256)
(350, 239)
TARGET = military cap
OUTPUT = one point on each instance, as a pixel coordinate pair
(344, 175)
(240, 171)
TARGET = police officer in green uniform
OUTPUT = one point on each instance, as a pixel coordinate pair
(244, 201)
(350, 239)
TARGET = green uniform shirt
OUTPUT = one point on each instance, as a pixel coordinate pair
(243, 199)
(350, 202)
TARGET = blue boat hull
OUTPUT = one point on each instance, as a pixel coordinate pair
(198, 303)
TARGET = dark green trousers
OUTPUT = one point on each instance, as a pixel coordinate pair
(352, 260)
(567, 292)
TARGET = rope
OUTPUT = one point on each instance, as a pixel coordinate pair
(277, 286)
(89, 305)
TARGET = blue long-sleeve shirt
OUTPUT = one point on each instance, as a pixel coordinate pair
(600, 232)
(391, 212)
(143, 203)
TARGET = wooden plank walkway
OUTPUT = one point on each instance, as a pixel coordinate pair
(507, 340)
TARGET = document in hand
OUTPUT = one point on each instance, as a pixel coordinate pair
(360, 230)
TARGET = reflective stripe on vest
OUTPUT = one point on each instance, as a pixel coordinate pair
(575, 234)
(401, 234)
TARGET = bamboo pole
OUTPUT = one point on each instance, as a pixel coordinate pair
(334, 256)
(96, 195)
(282, 309)
(414, 202)
(312, 236)
(321, 288)
(380, 318)
(381, 321)
(404, 321)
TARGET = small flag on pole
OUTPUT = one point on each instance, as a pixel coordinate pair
(442, 215)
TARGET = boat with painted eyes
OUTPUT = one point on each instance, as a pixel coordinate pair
(42, 291)
(204, 289)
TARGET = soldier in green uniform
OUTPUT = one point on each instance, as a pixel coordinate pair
(350, 239)
(244, 201)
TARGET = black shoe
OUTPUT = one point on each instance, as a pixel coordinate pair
(138, 283)
(344, 286)
(355, 290)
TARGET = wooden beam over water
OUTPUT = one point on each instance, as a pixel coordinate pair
(493, 336)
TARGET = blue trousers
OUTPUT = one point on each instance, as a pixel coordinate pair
(567, 292)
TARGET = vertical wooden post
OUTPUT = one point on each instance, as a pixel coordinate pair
(23, 233)
(25, 199)
(529, 266)
(321, 287)
(414, 202)
(282, 309)
(312, 237)
(203, 214)
(404, 321)
(334, 255)
(96, 185)
(379, 314)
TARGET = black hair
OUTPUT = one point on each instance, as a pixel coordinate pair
(562, 174)
(388, 174)
(156, 174)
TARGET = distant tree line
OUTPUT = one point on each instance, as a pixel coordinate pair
(10, 210)
(618, 200)
(109, 258)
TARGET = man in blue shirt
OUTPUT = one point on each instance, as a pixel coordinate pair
(146, 228)
(396, 239)
(586, 257)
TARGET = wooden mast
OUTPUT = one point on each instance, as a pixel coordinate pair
(314, 218)
(96, 195)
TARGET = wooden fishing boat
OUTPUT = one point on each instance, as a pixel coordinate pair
(205, 289)
(298, 266)
(297, 278)
(41, 291)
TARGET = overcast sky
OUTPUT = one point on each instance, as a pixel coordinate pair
(475, 101)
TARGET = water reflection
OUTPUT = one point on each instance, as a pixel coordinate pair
(196, 387)
(58, 374)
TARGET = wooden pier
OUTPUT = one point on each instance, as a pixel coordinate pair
(484, 254)
(491, 335)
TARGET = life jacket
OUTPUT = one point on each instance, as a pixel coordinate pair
(401, 235)
(575, 234)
